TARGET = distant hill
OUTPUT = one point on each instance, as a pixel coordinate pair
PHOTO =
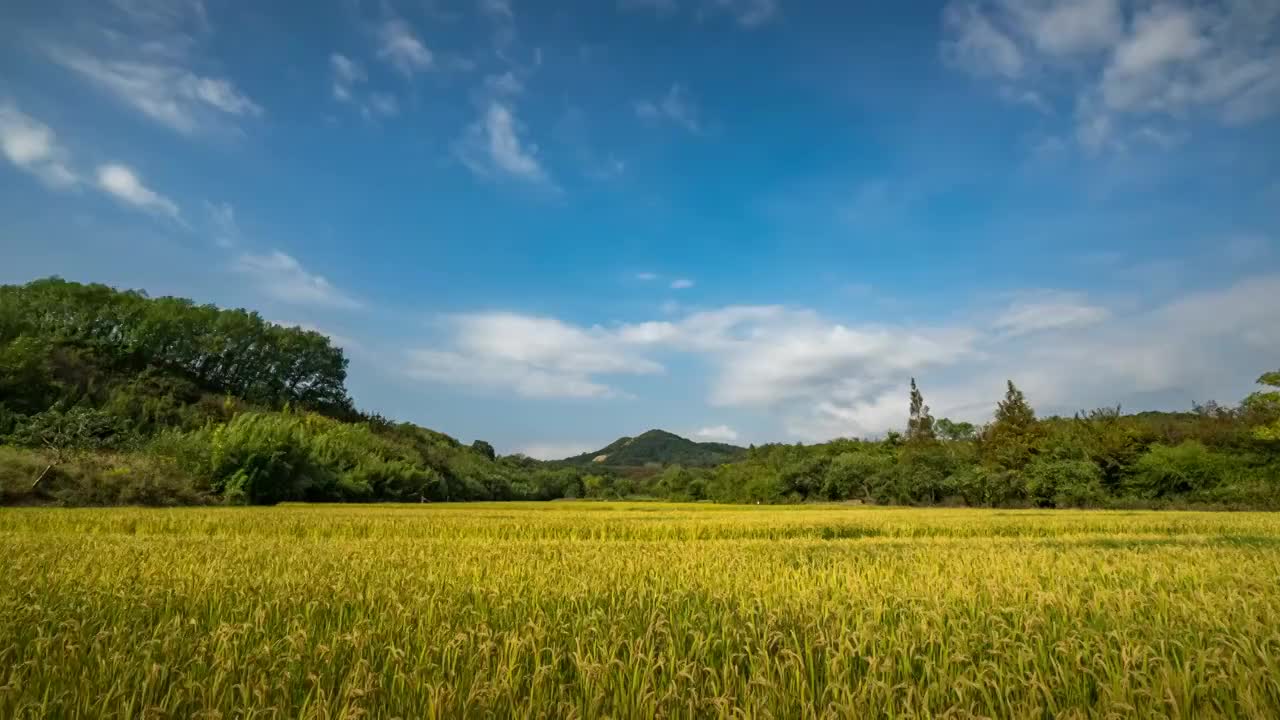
(661, 448)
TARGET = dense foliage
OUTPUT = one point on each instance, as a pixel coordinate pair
(1210, 456)
(113, 397)
(613, 610)
(110, 396)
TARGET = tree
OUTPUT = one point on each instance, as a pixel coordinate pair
(956, 431)
(484, 449)
(920, 422)
(1263, 406)
(1011, 441)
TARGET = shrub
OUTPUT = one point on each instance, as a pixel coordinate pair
(95, 478)
(78, 428)
(1173, 470)
(1064, 483)
(854, 474)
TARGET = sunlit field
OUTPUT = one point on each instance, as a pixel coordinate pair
(637, 611)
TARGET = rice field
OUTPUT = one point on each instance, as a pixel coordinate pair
(584, 610)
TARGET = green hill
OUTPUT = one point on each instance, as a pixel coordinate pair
(114, 397)
(658, 447)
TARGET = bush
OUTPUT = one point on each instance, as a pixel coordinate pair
(78, 428)
(95, 478)
(853, 475)
(983, 486)
(1064, 483)
(1174, 470)
(19, 468)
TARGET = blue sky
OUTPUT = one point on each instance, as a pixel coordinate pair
(551, 224)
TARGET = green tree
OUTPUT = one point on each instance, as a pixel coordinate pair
(484, 449)
(919, 422)
(956, 431)
(1012, 439)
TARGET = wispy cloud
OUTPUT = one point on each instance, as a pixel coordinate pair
(497, 9)
(347, 73)
(32, 146)
(717, 433)
(976, 45)
(400, 47)
(165, 92)
(492, 146)
(1048, 311)
(281, 276)
(675, 106)
(122, 183)
(348, 77)
(681, 284)
(646, 276)
(1118, 65)
(222, 221)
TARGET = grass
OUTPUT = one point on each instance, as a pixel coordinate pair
(636, 611)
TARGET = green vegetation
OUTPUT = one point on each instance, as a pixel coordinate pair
(637, 611)
(111, 397)
(658, 448)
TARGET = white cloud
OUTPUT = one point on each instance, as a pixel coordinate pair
(165, 92)
(1072, 26)
(824, 378)
(492, 146)
(1122, 64)
(977, 45)
(347, 77)
(533, 356)
(505, 84)
(681, 284)
(547, 342)
(222, 219)
(798, 356)
(164, 14)
(497, 9)
(646, 276)
(1192, 349)
(32, 146)
(676, 107)
(1048, 311)
(717, 433)
(282, 277)
(122, 183)
(400, 47)
(383, 104)
(347, 73)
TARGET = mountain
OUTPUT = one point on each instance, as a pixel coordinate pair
(659, 447)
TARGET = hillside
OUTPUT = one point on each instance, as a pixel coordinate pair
(110, 396)
(661, 448)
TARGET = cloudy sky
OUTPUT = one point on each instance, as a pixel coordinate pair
(551, 224)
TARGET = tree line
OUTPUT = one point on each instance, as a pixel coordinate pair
(1210, 456)
(110, 396)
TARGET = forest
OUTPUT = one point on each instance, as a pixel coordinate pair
(113, 397)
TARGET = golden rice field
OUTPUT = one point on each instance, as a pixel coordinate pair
(566, 610)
